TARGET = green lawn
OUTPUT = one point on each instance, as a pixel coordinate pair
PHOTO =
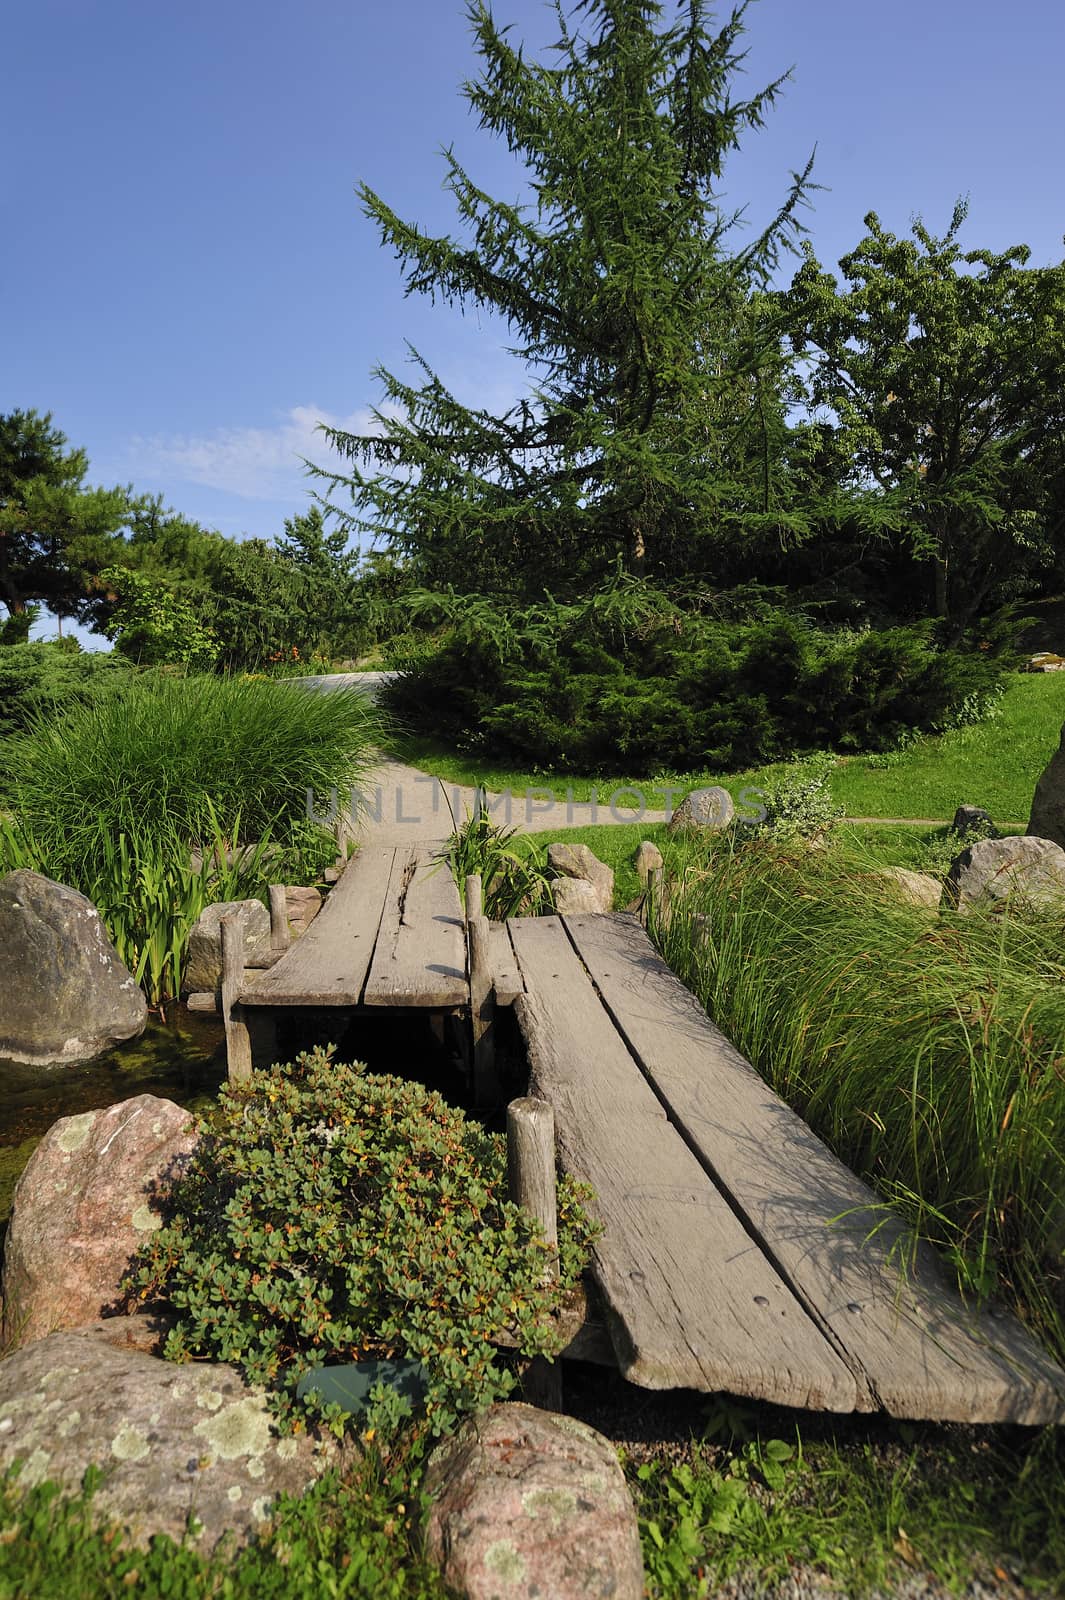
(994, 764)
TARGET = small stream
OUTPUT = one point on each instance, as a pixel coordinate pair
(181, 1059)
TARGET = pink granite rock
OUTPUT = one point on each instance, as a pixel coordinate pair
(526, 1502)
(82, 1208)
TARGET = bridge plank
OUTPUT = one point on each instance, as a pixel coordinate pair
(327, 965)
(690, 1300)
(420, 955)
(507, 980)
(913, 1346)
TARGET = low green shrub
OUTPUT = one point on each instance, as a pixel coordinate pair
(331, 1216)
(39, 679)
(656, 688)
(798, 802)
(926, 1050)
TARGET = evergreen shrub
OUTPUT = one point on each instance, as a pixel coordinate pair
(330, 1215)
(560, 688)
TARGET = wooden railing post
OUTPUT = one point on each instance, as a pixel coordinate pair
(280, 935)
(482, 1011)
(238, 1039)
(531, 1181)
(474, 897)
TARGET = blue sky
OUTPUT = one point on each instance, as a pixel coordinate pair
(188, 283)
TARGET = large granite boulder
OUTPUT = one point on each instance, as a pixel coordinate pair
(582, 881)
(178, 1444)
(82, 1207)
(703, 811)
(525, 1502)
(64, 994)
(1030, 873)
(1047, 820)
(203, 969)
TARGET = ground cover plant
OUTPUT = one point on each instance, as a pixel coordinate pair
(331, 1215)
(927, 1050)
(124, 796)
(759, 1501)
(357, 1536)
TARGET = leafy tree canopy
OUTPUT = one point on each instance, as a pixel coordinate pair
(942, 374)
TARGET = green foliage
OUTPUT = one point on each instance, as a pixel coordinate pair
(654, 430)
(926, 1051)
(55, 533)
(114, 796)
(581, 689)
(798, 802)
(152, 624)
(38, 679)
(148, 889)
(330, 1215)
(358, 1537)
(941, 372)
(857, 1515)
(514, 877)
(187, 754)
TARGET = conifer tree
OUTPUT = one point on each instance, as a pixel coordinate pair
(653, 432)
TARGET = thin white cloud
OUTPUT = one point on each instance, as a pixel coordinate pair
(255, 463)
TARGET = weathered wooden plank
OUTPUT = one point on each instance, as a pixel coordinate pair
(690, 1300)
(327, 965)
(506, 975)
(913, 1346)
(420, 956)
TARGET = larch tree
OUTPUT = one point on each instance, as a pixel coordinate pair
(654, 431)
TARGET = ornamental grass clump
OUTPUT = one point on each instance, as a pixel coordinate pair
(330, 1215)
(927, 1050)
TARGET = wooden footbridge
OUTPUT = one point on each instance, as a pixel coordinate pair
(737, 1254)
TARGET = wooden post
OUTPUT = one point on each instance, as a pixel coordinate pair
(531, 1180)
(474, 897)
(482, 1012)
(280, 934)
(238, 1040)
(531, 1165)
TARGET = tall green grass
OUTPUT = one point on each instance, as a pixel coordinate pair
(189, 752)
(928, 1051)
(118, 797)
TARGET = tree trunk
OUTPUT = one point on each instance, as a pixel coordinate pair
(942, 608)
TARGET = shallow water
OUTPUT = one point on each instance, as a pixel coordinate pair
(181, 1059)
